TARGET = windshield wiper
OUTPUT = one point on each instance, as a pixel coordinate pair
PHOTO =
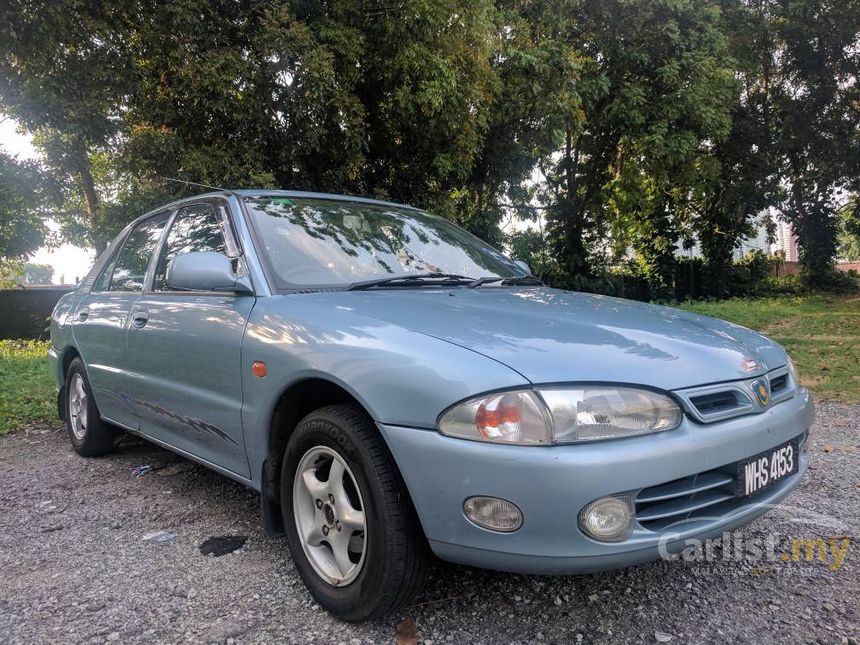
(434, 278)
(521, 281)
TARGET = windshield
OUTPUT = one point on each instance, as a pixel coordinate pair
(322, 242)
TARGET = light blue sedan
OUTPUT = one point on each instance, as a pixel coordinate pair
(394, 387)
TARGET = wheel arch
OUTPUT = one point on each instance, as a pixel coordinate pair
(64, 361)
(295, 402)
(68, 354)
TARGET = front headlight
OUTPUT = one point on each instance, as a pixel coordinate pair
(792, 370)
(506, 417)
(608, 413)
(561, 415)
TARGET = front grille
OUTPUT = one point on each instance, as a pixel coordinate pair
(712, 403)
(683, 499)
(718, 402)
(778, 384)
(701, 497)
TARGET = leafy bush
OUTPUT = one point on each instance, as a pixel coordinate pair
(19, 348)
(691, 277)
(837, 281)
(789, 285)
(748, 277)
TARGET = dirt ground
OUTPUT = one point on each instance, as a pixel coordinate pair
(92, 552)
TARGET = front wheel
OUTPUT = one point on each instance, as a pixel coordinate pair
(352, 530)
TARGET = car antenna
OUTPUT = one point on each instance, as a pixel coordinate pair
(195, 183)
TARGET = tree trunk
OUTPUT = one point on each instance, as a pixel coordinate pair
(91, 201)
(574, 246)
(815, 226)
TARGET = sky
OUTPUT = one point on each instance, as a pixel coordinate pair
(70, 263)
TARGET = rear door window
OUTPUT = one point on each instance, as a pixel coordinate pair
(127, 271)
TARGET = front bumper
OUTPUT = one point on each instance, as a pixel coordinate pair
(552, 484)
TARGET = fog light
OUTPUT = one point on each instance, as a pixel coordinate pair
(493, 513)
(608, 519)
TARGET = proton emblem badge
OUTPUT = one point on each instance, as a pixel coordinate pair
(761, 392)
(749, 365)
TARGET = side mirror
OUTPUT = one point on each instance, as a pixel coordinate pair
(523, 265)
(205, 271)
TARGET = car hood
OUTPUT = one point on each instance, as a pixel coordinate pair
(553, 336)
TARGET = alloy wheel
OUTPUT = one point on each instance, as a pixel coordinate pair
(329, 514)
(78, 406)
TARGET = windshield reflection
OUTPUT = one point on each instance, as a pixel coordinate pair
(318, 242)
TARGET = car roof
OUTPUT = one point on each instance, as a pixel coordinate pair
(256, 192)
(272, 192)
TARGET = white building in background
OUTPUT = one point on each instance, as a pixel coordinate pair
(757, 242)
(786, 241)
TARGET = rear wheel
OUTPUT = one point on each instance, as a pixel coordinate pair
(352, 530)
(90, 436)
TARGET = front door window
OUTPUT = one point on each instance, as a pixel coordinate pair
(196, 228)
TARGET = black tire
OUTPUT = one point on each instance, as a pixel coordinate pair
(96, 437)
(397, 558)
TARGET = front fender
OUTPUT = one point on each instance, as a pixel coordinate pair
(401, 377)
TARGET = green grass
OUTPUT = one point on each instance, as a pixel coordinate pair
(27, 395)
(821, 334)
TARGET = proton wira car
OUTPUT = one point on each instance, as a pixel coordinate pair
(396, 388)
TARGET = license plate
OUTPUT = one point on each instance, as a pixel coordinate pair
(765, 469)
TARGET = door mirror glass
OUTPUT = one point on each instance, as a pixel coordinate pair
(204, 271)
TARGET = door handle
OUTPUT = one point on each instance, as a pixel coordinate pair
(83, 314)
(139, 318)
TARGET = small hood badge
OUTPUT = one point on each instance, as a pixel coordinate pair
(749, 365)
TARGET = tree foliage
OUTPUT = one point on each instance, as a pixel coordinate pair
(623, 130)
(816, 97)
(655, 88)
(849, 231)
(26, 193)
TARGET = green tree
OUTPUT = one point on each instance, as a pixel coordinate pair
(388, 100)
(65, 74)
(655, 87)
(23, 193)
(33, 273)
(739, 179)
(537, 69)
(337, 96)
(26, 193)
(815, 93)
(849, 231)
(615, 126)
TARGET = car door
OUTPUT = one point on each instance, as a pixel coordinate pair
(185, 348)
(100, 320)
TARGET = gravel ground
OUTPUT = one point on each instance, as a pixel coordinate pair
(74, 565)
